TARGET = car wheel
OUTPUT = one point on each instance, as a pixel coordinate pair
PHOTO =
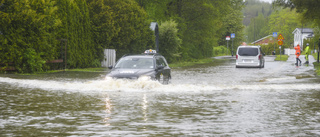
(164, 80)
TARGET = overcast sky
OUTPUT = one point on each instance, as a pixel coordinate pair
(270, 1)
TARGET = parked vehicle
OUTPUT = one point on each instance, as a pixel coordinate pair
(148, 65)
(250, 56)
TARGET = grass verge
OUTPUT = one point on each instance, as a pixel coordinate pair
(190, 63)
(316, 65)
(283, 58)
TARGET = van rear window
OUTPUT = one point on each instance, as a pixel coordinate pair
(248, 51)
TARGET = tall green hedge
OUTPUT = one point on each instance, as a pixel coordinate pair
(27, 36)
(30, 31)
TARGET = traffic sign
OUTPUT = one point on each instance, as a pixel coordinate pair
(233, 35)
(275, 34)
(227, 37)
(280, 37)
(280, 42)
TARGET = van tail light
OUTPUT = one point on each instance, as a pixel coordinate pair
(236, 56)
(259, 57)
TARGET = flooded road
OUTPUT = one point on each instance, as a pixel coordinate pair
(215, 99)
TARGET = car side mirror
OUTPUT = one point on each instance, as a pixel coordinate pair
(160, 67)
(110, 67)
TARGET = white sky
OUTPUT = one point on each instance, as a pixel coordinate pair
(270, 1)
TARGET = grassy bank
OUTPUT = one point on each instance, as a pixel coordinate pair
(283, 58)
(316, 64)
(190, 63)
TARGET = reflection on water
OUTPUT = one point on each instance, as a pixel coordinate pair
(199, 102)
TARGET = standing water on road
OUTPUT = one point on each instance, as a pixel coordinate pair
(214, 99)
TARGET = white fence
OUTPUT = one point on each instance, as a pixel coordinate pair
(289, 52)
(109, 58)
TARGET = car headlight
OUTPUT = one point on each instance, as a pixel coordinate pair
(144, 78)
(108, 78)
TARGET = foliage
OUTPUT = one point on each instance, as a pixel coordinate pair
(284, 22)
(232, 24)
(30, 30)
(169, 40)
(202, 24)
(33, 61)
(254, 8)
(281, 58)
(257, 28)
(268, 49)
(309, 13)
(27, 34)
(76, 29)
(220, 51)
(134, 34)
(309, 8)
(191, 63)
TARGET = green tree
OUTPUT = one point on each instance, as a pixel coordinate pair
(121, 25)
(255, 7)
(284, 22)
(27, 36)
(309, 8)
(76, 28)
(232, 23)
(170, 42)
(258, 28)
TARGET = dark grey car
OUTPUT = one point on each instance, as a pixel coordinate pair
(153, 66)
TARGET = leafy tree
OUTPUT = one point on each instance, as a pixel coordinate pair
(27, 36)
(309, 8)
(170, 42)
(76, 29)
(284, 22)
(120, 25)
(257, 28)
(254, 8)
(232, 23)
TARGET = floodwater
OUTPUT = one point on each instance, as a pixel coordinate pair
(215, 99)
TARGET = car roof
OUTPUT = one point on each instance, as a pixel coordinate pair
(249, 46)
(143, 55)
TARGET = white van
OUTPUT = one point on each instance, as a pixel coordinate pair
(249, 56)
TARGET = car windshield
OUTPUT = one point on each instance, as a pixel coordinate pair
(248, 51)
(135, 63)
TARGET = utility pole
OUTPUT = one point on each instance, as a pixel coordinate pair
(254, 35)
(318, 50)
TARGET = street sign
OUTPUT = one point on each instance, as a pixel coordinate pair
(275, 34)
(280, 37)
(280, 42)
(227, 37)
(233, 35)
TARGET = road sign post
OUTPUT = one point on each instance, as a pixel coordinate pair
(233, 35)
(227, 38)
(280, 42)
(274, 34)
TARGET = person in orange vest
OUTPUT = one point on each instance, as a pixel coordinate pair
(298, 52)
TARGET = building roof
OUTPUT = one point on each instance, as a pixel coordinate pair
(262, 39)
(304, 30)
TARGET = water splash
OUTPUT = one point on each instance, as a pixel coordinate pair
(140, 85)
